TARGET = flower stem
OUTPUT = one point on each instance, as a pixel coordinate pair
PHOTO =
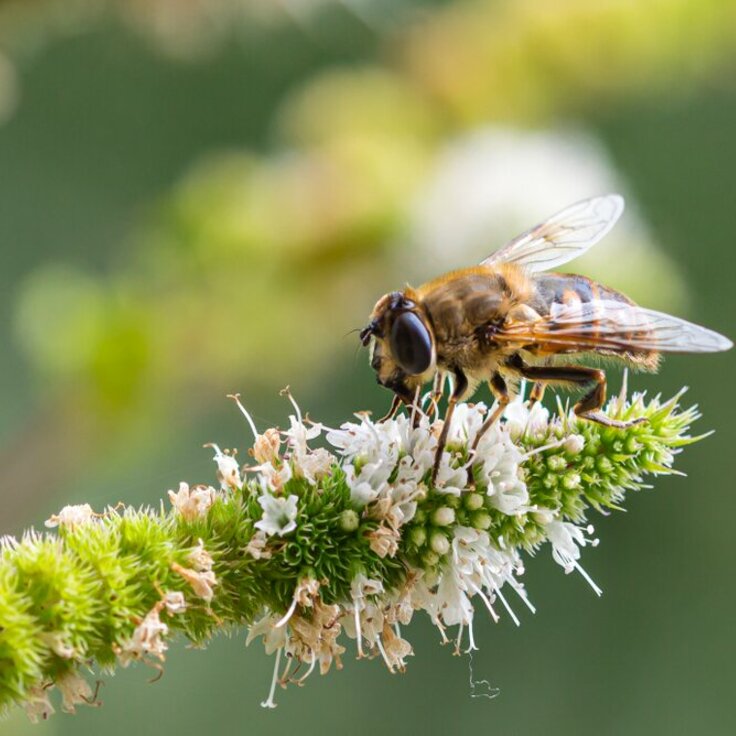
(315, 544)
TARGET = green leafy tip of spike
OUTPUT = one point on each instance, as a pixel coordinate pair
(309, 544)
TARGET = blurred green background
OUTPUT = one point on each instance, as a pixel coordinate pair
(204, 197)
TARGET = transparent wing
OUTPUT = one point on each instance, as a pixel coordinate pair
(563, 237)
(615, 326)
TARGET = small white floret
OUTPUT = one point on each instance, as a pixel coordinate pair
(75, 690)
(228, 470)
(279, 514)
(202, 583)
(174, 602)
(192, 503)
(71, 517)
(148, 639)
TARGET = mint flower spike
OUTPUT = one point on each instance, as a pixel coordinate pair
(313, 546)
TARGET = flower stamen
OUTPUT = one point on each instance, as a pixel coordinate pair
(244, 412)
(269, 702)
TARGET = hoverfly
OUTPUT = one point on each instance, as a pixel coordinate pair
(506, 319)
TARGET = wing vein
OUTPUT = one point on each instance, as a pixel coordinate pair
(563, 236)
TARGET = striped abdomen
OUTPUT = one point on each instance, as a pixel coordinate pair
(572, 289)
(580, 302)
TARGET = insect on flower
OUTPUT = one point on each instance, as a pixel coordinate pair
(505, 320)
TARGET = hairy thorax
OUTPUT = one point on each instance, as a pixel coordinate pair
(465, 306)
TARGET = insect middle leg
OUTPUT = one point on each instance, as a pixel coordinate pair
(501, 392)
(459, 388)
(589, 407)
(438, 388)
(537, 393)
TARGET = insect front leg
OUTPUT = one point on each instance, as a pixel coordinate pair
(403, 395)
(395, 404)
(589, 407)
(459, 389)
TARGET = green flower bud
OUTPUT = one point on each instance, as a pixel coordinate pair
(633, 445)
(574, 444)
(349, 520)
(439, 543)
(430, 558)
(452, 501)
(481, 520)
(473, 501)
(443, 516)
(556, 463)
(418, 536)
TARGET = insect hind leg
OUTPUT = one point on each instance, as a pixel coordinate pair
(589, 407)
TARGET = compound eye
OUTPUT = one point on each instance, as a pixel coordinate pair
(411, 344)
